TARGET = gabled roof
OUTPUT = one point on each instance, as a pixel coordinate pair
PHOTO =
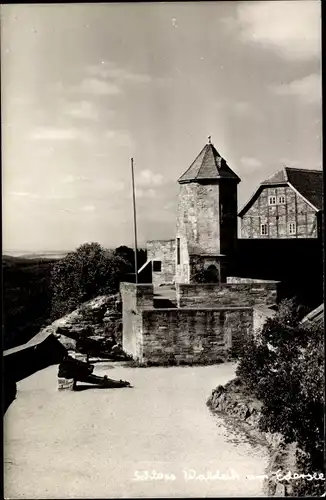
(209, 165)
(308, 183)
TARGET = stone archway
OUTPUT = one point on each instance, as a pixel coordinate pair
(212, 274)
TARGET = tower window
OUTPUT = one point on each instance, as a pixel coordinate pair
(178, 251)
(157, 266)
(272, 200)
(281, 200)
(263, 229)
(292, 228)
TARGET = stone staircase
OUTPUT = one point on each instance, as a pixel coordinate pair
(165, 297)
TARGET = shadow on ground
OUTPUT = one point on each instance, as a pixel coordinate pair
(89, 386)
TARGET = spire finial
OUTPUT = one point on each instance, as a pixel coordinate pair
(209, 139)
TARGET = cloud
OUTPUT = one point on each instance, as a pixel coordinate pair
(250, 164)
(88, 208)
(291, 28)
(98, 87)
(119, 138)
(58, 134)
(72, 178)
(307, 89)
(239, 108)
(145, 193)
(149, 178)
(19, 193)
(81, 109)
(108, 70)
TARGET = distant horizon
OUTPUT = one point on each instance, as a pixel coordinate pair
(42, 251)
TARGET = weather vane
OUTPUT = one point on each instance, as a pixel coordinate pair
(209, 139)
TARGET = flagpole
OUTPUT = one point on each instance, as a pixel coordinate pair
(135, 220)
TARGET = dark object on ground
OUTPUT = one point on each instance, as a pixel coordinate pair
(22, 361)
(83, 372)
(9, 393)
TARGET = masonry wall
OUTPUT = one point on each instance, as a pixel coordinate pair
(189, 336)
(226, 294)
(277, 217)
(198, 224)
(165, 252)
(135, 299)
(198, 216)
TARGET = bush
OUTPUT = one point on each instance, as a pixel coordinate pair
(284, 369)
(84, 274)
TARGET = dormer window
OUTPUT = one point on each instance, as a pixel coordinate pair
(272, 200)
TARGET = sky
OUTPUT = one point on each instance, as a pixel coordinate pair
(85, 87)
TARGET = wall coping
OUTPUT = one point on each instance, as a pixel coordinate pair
(187, 309)
(138, 285)
(252, 281)
(225, 285)
(165, 241)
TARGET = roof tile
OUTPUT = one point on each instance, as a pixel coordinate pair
(209, 165)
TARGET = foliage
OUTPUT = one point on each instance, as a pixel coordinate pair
(84, 274)
(284, 369)
(26, 298)
(199, 276)
(208, 275)
(128, 254)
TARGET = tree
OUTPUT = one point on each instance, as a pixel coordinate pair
(82, 275)
(128, 254)
(284, 369)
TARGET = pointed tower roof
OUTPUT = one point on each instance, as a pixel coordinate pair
(209, 165)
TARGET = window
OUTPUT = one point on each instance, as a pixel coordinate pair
(263, 229)
(272, 200)
(281, 200)
(157, 266)
(292, 228)
(178, 251)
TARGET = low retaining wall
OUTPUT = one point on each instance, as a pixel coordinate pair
(209, 321)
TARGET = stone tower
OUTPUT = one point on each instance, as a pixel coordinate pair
(206, 231)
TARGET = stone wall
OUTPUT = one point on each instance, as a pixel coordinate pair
(190, 336)
(135, 299)
(101, 316)
(165, 252)
(209, 320)
(226, 294)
